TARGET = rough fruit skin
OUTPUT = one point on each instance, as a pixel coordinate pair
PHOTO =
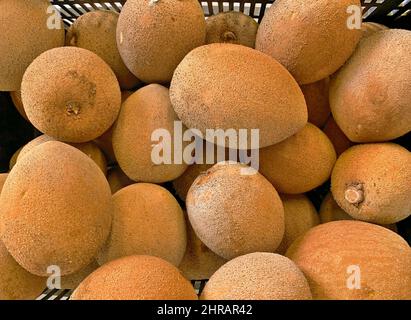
(73, 280)
(19, 45)
(370, 102)
(145, 111)
(258, 276)
(147, 220)
(14, 158)
(325, 252)
(336, 136)
(183, 183)
(234, 213)
(381, 173)
(299, 163)
(96, 31)
(56, 209)
(231, 27)
(369, 28)
(16, 98)
(71, 94)
(310, 38)
(154, 36)
(228, 86)
(135, 278)
(117, 179)
(3, 177)
(317, 98)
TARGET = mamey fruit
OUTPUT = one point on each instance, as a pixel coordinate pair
(96, 31)
(311, 39)
(71, 94)
(258, 276)
(145, 111)
(154, 36)
(3, 177)
(19, 46)
(147, 220)
(135, 278)
(299, 163)
(371, 182)
(354, 260)
(336, 136)
(117, 179)
(231, 27)
(316, 96)
(16, 98)
(14, 158)
(227, 86)
(235, 213)
(368, 102)
(56, 209)
(183, 183)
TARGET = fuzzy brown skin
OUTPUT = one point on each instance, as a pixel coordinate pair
(154, 36)
(310, 38)
(88, 148)
(56, 209)
(3, 177)
(338, 138)
(325, 252)
(16, 98)
(15, 282)
(96, 31)
(300, 216)
(135, 278)
(199, 262)
(72, 281)
(147, 220)
(231, 27)
(14, 158)
(227, 86)
(145, 111)
(317, 98)
(369, 28)
(379, 174)
(117, 179)
(300, 163)
(233, 213)
(369, 102)
(19, 45)
(183, 183)
(258, 276)
(71, 94)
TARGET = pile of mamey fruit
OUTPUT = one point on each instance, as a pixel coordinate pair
(86, 197)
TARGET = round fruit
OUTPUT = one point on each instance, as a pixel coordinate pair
(3, 177)
(72, 281)
(16, 98)
(336, 136)
(316, 95)
(369, 28)
(117, 179)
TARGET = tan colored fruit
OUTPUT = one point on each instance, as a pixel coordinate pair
(19, 44)
(88, 148)
(135, 278)
(117, 179)
(371, 182)
(16, 98)
(316, 96)
(71, 94)
(300, 216)
(15, 282)
(235, 213)
(336, 136)
(154, 36)
(96, 31)
(310, 38)
(231, 27)
(369, 102)
(145, 111)
(258, 276)
(259, 93)
(72, 281)
(14, 158)
(3, 177)
(339, 256)
(299, 163)
(199, 262)
(369, 28)
(147, 220)
(183, 183)
(56, 209)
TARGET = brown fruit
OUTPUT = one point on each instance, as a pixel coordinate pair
(3, 177)
(299, 163)
(70, 94)
(205, 97)
(145, 111)
(96, 31)
(258, 276)
(154, 36)
(135, 278)
(336, 136)
(56, 209)
(117, 179)
(235, 213)
(371, 182)
(14, 158)
(16, 98)
(311, 39)
(354, 260)
(369, 28)
(183, 183)
(19, 45)
(316, 96)
(231, 27)
(72, 281)
(147, 220)
(369, 102)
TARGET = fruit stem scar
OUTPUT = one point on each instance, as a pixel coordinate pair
(228, 36)
(354, 195)
(73, 107)
(153, 2)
